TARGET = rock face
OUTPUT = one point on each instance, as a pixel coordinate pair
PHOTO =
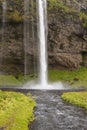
(67, 38)
(12, 49)
(65, 60)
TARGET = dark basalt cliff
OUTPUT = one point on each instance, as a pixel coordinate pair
(67, 35)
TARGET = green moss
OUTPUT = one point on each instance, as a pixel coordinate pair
(60, 5)
(16, 111)
(76, 78)
(63, 8)
(15, 16)
(15, 9)
(83, 18)
(77, 98)
(8, 80)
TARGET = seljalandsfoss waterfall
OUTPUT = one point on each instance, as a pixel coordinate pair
(42, 34)
(34, 43)
(43, 65)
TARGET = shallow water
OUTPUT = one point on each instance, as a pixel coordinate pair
(52, 113)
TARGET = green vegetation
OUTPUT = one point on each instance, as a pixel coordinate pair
(63, 7)
(16, 110)
(76, 78)
(77, 98)
(8, 80)
(15, 16)
(60, 6)
(56, 4)
(83, 18)
(15, 10)
(24, 79)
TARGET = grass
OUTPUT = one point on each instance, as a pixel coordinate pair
(76, 78)
(8, 80)
(16, 110)
(77, 98)
(26, 78)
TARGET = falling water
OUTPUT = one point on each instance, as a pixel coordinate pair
(42, 38)
(26, 34)
(4, 10)
(42, 29)
(32, 11)
(33, 35)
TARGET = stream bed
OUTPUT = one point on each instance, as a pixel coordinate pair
(52, 113)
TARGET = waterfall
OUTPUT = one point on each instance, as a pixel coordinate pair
(33, 35)
(26, 34)
(32, 12)
(42, 33)
(43, 41)
(29, 38)
(4, 10)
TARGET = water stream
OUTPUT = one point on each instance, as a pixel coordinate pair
(52, 113)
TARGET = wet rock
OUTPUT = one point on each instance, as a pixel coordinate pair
(65, 60)
(67, 34)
